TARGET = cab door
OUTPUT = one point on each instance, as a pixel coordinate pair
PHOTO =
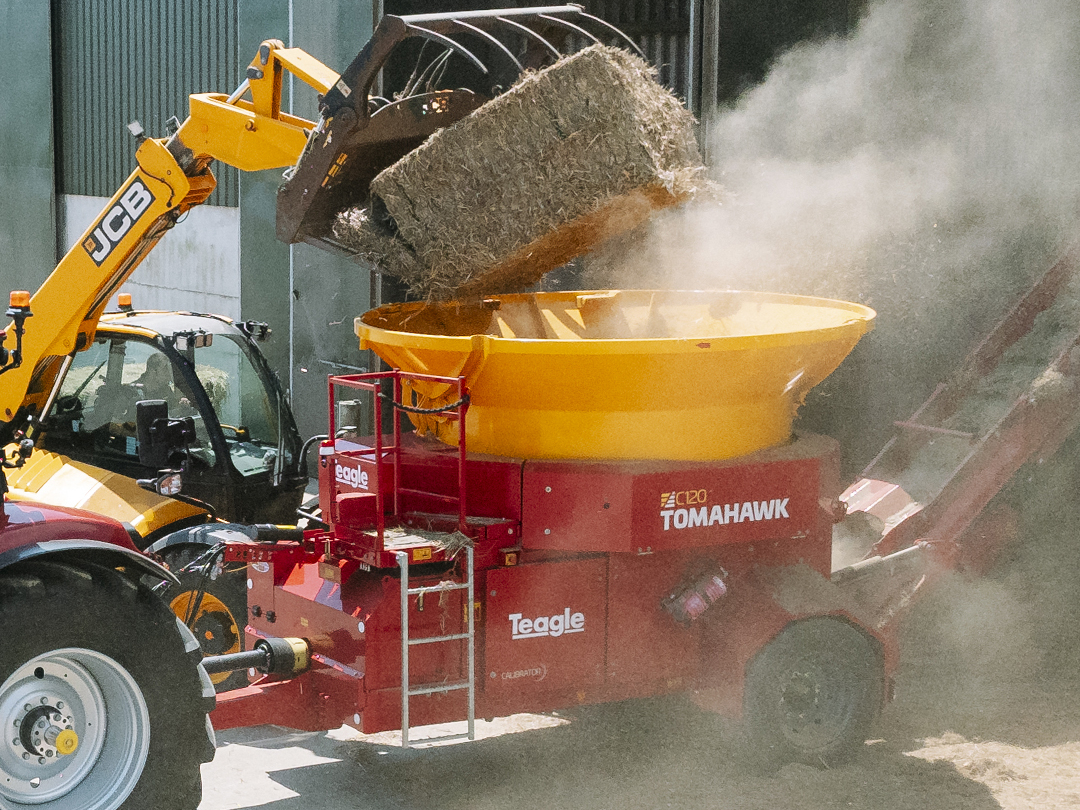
(93, 417)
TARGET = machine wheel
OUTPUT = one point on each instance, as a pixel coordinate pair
(102, 694)
(218, 624)
(812, 693)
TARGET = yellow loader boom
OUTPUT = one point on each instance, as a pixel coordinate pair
(173, 175)
(358, 135)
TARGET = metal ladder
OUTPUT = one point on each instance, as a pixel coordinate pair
(469, 684)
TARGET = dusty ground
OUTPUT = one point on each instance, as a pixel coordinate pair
(669, 756)
(985, 716)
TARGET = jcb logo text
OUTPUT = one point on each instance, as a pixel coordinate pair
(117, 221)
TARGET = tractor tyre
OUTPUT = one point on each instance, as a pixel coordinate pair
(812, 693)
(102, 694)
(218, 624)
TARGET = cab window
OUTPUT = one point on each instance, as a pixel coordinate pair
(95, 408)
(247, 408)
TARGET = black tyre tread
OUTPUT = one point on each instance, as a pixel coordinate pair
(160, 657)
(821, 639)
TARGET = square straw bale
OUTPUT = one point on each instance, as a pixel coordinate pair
(568, 157)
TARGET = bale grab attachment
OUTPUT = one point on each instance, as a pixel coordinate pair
(365, 127)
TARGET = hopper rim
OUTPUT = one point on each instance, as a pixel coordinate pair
(862, 316)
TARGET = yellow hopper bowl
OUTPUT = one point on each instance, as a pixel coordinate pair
(620, 374)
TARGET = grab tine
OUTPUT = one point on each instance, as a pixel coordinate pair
(452, 44)
(609, 27)
(533, 34)
(571, 26)
(493, 39)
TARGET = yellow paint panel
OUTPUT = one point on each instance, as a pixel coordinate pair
(621, 374)
(59, 481)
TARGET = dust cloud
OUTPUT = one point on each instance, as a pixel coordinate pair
(925, 165)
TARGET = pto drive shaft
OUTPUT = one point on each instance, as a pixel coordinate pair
(271, 656)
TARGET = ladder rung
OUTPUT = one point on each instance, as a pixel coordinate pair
(469, 684)
(437, 588)
(441, 687)
(436, 639)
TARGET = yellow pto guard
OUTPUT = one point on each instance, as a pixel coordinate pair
(620, 374)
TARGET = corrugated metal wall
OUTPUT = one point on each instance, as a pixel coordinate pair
(122, 60)
(27, 212)
(661, 28)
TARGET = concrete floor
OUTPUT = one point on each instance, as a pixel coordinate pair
(275, 768)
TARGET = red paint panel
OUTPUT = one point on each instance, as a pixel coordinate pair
(727, 505)
(645, 644)
(545, 627)
(579, 506)
(492, 483)
(311, 609)
(382, 711)
(316, 700)
(24, 523)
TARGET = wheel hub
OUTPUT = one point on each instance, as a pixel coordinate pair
(801, 694)
(42, 730)
(216, 632)
(813, 713)
(53, 716)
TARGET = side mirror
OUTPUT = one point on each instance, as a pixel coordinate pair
(160, 438)
(26, 447)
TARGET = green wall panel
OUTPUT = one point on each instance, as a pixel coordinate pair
(119, 61)
(328, 291)
(308, 296)
(27, 206)
(264, 262)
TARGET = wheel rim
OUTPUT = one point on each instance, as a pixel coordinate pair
(81, 701)
(214, 626)
(816, 705)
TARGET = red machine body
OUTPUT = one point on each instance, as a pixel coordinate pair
(596, 581)
(574, 563)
